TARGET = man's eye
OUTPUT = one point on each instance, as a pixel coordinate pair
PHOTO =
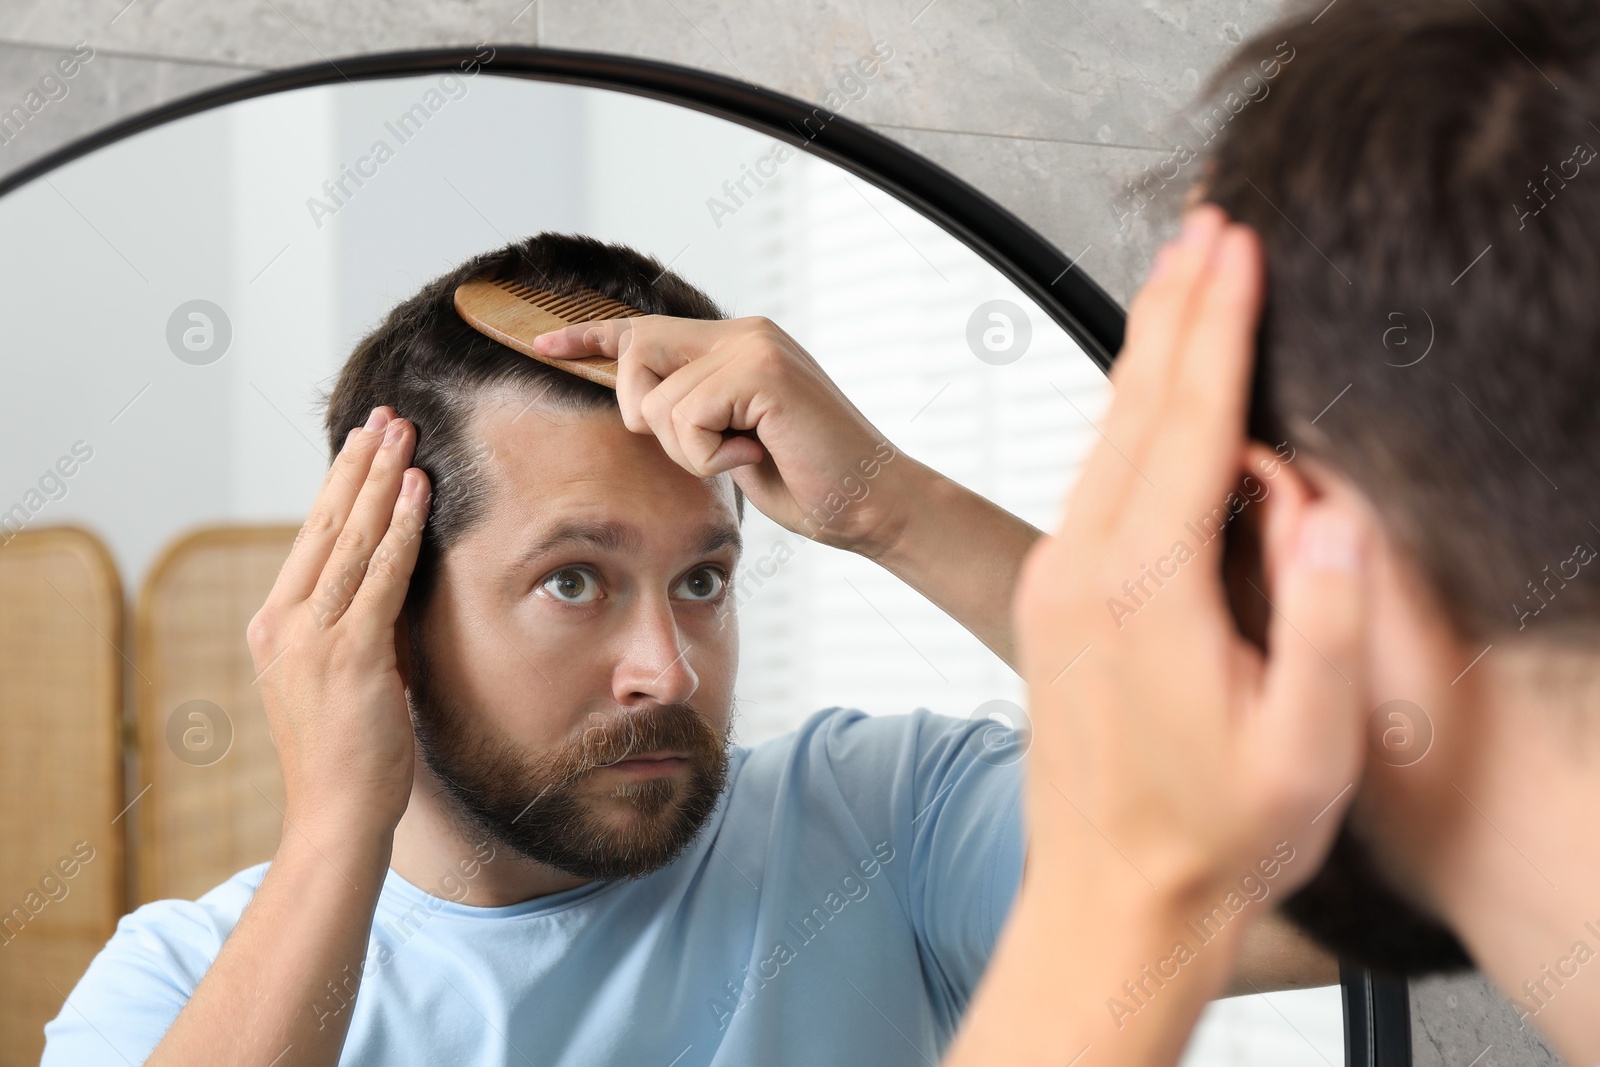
(706, 589)
(570, 583)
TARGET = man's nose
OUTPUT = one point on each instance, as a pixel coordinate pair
(654, 666)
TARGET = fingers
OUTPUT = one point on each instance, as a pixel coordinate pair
(703, 412)
(1198, 443)
(592, 337)
(656, 369)
(369, 520)
(1157, 316)
(689, 443)
(572, 341)
(1195, 455)
(671, 381)
(645, 340)
(383, 588)
(314, 543)
(612, 337)
(1315, 693)
(639, 344)
(1143, 372)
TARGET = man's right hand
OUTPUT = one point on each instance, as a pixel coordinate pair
(324, 641)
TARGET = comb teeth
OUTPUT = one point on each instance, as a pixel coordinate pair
(581, 305)
(513, 314)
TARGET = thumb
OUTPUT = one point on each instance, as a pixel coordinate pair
(1315, 691)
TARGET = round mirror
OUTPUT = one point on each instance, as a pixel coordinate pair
(183, 288)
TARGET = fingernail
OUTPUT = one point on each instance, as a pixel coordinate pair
(408, 482)
(594, 336)
(1328, 542)
(374, 420)
(392, 434)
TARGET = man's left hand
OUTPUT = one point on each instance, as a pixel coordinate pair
(1174, 736)
(741, 395)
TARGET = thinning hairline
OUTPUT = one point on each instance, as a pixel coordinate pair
(605, 535)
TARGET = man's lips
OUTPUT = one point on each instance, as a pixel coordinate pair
(648, 765)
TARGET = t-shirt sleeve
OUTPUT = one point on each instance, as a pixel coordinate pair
(947, 793)
(137, 984)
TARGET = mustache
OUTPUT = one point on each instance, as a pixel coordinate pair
(608, 739)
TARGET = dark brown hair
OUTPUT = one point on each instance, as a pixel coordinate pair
(434, 369)
(1420, 175)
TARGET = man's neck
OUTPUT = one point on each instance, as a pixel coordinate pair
(436, 852)
(1520, 882)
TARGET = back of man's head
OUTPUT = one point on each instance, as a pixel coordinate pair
(1423, 178)
(434, 369)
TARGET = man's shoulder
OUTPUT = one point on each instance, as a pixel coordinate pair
(203, 922)
(139, 981)
(843, 723)
(867, 761)
(845, 735)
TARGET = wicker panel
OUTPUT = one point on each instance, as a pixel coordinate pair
(62, 878)
(216, 793)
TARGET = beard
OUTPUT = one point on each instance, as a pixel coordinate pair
(541, 806)
(1352, 909)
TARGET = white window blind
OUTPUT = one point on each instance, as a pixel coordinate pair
(881, 297)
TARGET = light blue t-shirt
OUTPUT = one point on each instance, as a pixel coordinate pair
(839, 906)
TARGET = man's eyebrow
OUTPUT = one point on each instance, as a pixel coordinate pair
(616, 537)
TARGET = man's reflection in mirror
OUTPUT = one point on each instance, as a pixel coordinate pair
(586, 869)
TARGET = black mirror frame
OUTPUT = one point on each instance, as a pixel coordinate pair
(1377, 1014)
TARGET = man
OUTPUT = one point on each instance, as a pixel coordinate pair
(1424, 716)
(515, 830)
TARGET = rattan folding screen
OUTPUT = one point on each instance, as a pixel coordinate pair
(215, 802)
(61, 773)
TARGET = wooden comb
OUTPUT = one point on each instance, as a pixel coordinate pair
(514, 314)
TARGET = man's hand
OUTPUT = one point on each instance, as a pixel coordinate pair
(1170, 757)
(324, 641)
(1173, 735)
(324, 650)
(742, 395)
(816, 466)
(325, 658)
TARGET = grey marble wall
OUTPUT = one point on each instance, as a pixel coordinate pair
(1047, 107)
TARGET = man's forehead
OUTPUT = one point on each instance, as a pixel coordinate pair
(588, 472)
(535, 443)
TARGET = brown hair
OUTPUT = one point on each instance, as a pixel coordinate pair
(434, 369)
(1418, 180)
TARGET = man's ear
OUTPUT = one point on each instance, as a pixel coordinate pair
(1290, 488)
(1277, 492)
